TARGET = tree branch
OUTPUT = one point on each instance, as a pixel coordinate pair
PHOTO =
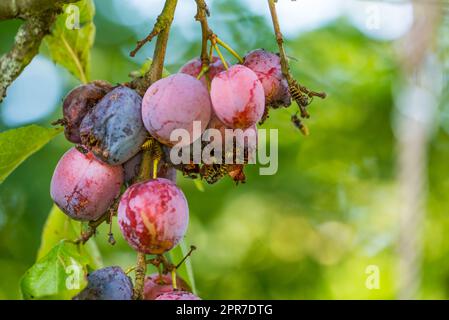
(11, 9)
(39, 15)
(26, 46)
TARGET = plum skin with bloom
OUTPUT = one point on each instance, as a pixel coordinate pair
(194, 66)
(238, 98)
(177, 295)
(267, 66)
(83, 187)
(175, 102)
(153, 216)
(109, 283)
(156, 285)
(114, 130)
(78, 102)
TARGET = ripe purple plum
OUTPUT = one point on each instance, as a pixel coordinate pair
(132, 168)
(114, 130)
(153, 216)
(238, 97)
(193, 68)
(175, 102)
(109, 283)
(156, 285)
(84, 187)
(177, 295)
(78, 103)
(267, 66)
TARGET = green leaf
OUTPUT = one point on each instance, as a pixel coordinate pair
(72, 37)
(145, 67)
(17, 145)
(185, 271)
(60, 274)
(60, 227)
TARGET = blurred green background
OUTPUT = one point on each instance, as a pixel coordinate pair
(308, 232)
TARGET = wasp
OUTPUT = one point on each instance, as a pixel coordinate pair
(300, 125)
(303, 96)
(212, 173)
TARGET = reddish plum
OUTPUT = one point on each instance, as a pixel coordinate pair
(153, 216)
(84, 187)
(238, 97)
(175, 102)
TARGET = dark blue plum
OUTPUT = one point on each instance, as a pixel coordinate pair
(109, 283)
(114, 130)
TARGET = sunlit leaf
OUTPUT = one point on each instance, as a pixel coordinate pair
(60, 274)
(17, 145)
(60, 227)
(72, 37)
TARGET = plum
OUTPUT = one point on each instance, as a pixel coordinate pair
(156, 285)
(84, 187)
(109, 283)
(114, 130)
(193, 68)
(78, 103)
(153, 216)
(177, 295)
(238, 97)
(175, 102)
(267, 66)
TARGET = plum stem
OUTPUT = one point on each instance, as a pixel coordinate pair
(173, 279)
(223, 60)
(228, 47)
(93, 225)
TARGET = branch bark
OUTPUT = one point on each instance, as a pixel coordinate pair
(11, 9)
(39, 15)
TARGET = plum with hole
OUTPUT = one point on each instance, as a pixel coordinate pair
(156, 285)
(109, 283)
(84, 187)
(193, 68)
(175, 102)
(78, 103)
(153, 216)
(267, 66)
(132, 169)
(177, 295)
(238, 97)
(114, 130)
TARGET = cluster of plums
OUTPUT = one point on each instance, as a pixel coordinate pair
(109, 124)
